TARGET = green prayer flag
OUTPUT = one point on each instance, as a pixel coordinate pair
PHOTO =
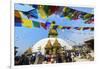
(47, 10)
(36, 24)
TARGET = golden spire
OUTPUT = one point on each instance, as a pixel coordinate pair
(48, 45)
(56, 44)
(53, 32)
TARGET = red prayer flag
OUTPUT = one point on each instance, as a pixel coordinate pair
(85, 28)
(43, 25)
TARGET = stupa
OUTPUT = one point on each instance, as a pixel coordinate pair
(52, 44)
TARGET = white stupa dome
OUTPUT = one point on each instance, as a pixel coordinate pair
(42, 43)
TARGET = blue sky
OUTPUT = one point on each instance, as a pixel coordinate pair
(26, 37)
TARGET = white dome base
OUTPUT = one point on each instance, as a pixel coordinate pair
(42, 43)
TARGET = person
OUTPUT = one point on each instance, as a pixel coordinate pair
(68, 57)
(24, 60)
(46, 58)
(52, 59)
(33, 59)
(58, 58)
(17, 60)
(72, 56)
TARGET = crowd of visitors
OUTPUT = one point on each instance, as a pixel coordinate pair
(68, 56)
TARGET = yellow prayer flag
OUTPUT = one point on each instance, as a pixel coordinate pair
(42, 12)
(64, 9)
(60, 27)
(81, 28)
(27, 23)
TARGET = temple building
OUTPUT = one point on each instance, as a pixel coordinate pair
(90, 43)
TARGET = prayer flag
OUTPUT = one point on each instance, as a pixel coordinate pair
(53, 9)
(78, 28)
(36, 24)
(43, 25)
(48, 24)
(66, 27)
(26, 13)
(17, 24)
(66, 11)
(42, 12)
(33, 13)
(27, 23)
(89, 21)
(69, 16)
(87, 16)
(18, 21)
(82, 15)
(35, 6)
(17, 14)
(47, 10)
(59, 11)
(60, 27)
(75, 15)
(85, 28)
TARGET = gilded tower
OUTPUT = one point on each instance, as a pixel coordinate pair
(56, 46)
(48, 47)
(52, 32)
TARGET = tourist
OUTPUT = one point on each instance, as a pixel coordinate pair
(33, 57)
(17, 60)
(24, 60)
(68, 57)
